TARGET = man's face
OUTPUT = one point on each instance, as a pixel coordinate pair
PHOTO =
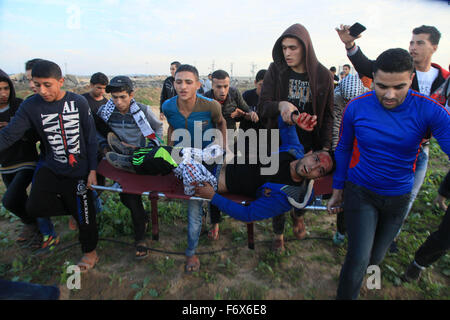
(173, 68)
(4, 92)
(292, 51)
(391, 88)
(346, 70)
(186, 85)
(221, 88)
(97, 90)
(30, 81)
(49, 88)
(122, 100)
(420, 48)
(314, 165)
(258, 86)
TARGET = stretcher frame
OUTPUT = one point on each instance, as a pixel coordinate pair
(168, 186)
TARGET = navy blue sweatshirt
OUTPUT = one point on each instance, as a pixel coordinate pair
(66, 128)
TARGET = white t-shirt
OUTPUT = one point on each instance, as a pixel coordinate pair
(426, 79)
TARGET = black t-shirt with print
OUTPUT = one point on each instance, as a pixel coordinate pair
(300, 96)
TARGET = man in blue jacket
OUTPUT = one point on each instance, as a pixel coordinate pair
(376, 157)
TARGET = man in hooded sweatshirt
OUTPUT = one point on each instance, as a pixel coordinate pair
(297, 82)
(17, 163)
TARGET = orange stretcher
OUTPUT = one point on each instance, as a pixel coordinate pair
(170, 187)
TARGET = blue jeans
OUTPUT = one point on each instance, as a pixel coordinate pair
(27, 291)
(419, 177)
(195, 215)
(372, 221)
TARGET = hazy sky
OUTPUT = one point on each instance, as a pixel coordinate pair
(136, 36)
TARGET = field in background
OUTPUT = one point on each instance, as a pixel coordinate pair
(309, 269)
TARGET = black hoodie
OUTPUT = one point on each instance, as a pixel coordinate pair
(22, 154)
(276, 85)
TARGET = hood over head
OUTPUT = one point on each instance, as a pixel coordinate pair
(297, 31)
(12, 93)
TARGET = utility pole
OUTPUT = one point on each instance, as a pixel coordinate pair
(231, 70)
(65, 68)
(212, 67)
(253, 70)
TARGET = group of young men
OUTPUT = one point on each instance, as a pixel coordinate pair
(380, 150)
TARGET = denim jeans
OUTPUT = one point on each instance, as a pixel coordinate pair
(10, 290)
(372, 221)
(195, 215)
(419, 177)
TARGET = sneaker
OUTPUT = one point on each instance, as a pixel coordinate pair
(27, 232)
(412, 272)
(120, 161)
(393, 248)
(117, 145)
(49, 244)
(298, 226)
(338, 239)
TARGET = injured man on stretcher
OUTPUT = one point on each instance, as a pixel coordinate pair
(290, 186)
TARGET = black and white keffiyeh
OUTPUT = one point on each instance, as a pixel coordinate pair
(138, 116)
(193, 172)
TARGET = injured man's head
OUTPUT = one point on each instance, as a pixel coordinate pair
(313, 165)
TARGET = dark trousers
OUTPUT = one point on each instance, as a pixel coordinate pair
(138, 214)
(340, 222)
(436, 244)
(53, 195)
(15, 197)
(279, 221)
(372, 221)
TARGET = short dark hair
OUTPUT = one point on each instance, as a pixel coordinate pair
(30, 63)
(394, 60)
(188, 68)
(176, 63)
(220, 75)
(347, 65)
(260, 75)
(333, 69)
(434, 34)
(46, 69)
(99, 78)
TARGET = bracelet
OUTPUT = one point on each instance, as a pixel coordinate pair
(354, 44)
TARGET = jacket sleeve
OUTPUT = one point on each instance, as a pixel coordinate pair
(362, 64)
(326, 130)
(16, 129)
(89, 133)
(260, 209)
(241, 102)
(268, 103)
(289, 138)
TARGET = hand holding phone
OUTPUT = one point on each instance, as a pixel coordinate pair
(356, 29)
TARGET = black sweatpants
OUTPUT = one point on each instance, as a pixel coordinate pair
(436, 245)
(16, 196)
(138, 214)
(54, 195)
